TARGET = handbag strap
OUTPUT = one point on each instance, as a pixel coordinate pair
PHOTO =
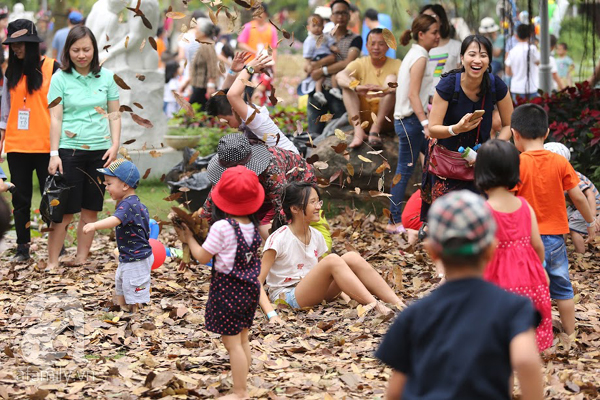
(479, 127)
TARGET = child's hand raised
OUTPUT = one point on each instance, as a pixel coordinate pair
(89, 227)
(184, 233)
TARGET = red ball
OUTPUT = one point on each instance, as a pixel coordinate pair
(159, 252)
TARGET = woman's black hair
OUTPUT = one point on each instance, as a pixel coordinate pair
(217, 214)
(486, 83)
(294, 194)
(171, 68)
(28, 67)
(439, 10)
(497, 165)
(76, 33)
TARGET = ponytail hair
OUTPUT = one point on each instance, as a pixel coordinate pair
(217, 214)
(294, 194)
(420, 24)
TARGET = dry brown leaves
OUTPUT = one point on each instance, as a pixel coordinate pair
(323, 352)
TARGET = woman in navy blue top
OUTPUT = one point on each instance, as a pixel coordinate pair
(458, 94)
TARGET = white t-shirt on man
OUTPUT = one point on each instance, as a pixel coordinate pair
(521, 82)
(262, 125)
(294, 259)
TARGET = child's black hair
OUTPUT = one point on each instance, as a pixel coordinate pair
(294, 194)
(530, 120)
(563, 44)
(553, 41)
(217, 214)
(171, 69)
(461, 260)
(497, 165)
(218, 105)
(523, 31)
(4, 217)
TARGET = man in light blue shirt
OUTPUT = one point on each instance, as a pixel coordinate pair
(60, 37)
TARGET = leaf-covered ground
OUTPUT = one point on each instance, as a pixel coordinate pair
(325, 352)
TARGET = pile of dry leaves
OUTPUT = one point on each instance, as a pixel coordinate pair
(323, 353)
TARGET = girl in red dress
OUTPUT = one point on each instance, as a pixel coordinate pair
(517, 263)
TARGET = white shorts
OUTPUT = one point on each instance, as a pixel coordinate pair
(132, 280)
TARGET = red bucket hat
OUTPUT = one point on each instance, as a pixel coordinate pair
(238, 192)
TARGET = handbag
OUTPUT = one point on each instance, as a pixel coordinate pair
(54, 198)
(448, 164)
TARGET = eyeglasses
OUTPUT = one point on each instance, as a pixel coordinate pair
(317, 204)
(342, 13)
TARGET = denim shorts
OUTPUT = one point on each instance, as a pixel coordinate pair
(557, 266)
(132, 280)
(290, 296)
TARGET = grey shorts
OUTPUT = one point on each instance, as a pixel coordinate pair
(576, 221)
(132, 280)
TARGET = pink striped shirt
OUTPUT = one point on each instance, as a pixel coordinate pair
(221, 242)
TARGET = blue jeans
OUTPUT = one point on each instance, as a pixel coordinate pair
(557, 266)
(410, 140)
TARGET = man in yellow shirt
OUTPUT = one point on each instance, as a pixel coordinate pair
(369, 89)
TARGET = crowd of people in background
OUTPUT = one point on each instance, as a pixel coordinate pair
(449, 96)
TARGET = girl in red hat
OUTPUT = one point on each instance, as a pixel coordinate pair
(233, 240)
(297, 271)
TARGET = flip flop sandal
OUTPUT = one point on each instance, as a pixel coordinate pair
(375, 141)
(422, 231)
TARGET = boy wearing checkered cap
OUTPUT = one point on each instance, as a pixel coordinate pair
(464, 339)
(132, 230)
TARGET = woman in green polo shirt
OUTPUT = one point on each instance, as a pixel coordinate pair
(82, 139)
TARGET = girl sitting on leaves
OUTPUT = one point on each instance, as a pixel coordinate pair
(296, 271)
(234, 292)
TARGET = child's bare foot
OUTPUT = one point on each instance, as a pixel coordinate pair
(382, 308)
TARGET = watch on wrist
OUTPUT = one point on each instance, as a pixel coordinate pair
(250, 69)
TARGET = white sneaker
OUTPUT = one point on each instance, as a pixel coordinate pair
(320, 97)
(336, 92)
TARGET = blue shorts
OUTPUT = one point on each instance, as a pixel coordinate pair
(557, 266)
(290, 298)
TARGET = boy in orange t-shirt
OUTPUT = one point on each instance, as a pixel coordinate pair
(545, 177)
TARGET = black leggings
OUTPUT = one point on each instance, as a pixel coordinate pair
(21, 166)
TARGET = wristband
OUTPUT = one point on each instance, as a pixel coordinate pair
(589, 224)
(325, 70)
(231, 72)
(211, 85)
(451, 132)
(425, 122)
(53, 153)
(271, 314)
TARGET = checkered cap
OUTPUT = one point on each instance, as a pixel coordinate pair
(558, 148)
(460, 223)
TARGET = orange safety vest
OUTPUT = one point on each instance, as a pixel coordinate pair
(37, 138)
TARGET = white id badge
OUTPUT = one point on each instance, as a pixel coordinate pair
(23, 123)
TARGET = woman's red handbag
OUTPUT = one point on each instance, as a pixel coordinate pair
(449, 164)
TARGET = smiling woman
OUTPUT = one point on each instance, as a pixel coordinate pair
(458, 96)
(81, 138)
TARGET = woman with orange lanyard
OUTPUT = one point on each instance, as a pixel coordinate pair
(25, 121)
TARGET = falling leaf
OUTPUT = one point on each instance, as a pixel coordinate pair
(100, 110)
(354, 84)
(126, 41)
(85, 146)
(375, 152)
(387, 213)
(175, 15)
(251, 118)
(274, 100)
(350, 169)
(389, 38)
(320, 40)
(19, 33)
(140, 77)
(138, 105)
(106, 47)
(364, 124)
(382, 167)
(340, 147)
(121, 82)
(146, 173)
(335, 175)
(70, 134)
(8, 351)
(364, 159)
(155, 154)
(373, 117)
(393, 85)
(212, 17)
(54, 203)
(222, 68)
(248, 83)
(129, 141)
(146, 22)
(321, 165)
(286, 34)
(340, 134)
(152, 42)
(326, 117)
(312, 159)
(143, 45)
(357, 190)
(125, 108)
(173, 197)
(28, 224)
(55, 102)
(218, 93)
(374, 193)
(189, 110)
(396, 179)
(141, 121)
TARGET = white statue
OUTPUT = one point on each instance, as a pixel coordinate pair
(19, 12)
(119, 44)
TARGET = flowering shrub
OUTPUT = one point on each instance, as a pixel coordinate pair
(287, 119)
(574, 116)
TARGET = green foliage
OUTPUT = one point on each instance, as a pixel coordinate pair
(210, 139)
(578, 33)
(287, 118)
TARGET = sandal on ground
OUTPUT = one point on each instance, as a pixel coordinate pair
(375, 141)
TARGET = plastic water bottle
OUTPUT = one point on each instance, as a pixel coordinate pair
(468, 154)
